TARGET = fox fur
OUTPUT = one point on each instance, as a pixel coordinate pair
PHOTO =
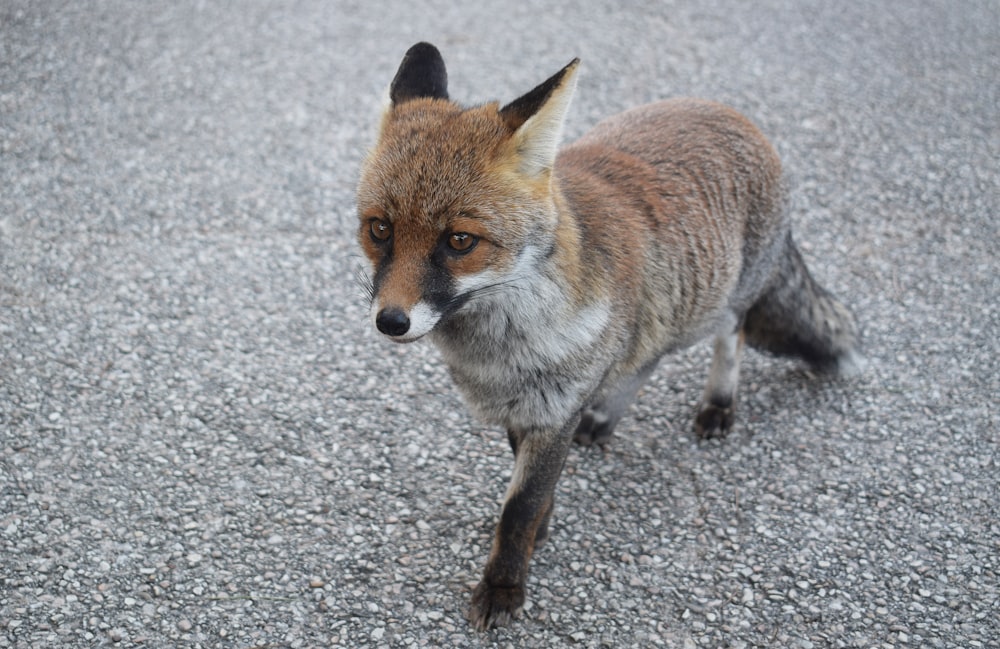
(553, 281)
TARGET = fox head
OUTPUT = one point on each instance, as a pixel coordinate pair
(454, 202)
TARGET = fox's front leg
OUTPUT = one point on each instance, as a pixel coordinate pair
(538, 460)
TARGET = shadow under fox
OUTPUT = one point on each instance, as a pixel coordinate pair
(554, 281)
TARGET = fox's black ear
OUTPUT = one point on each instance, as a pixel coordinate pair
(523, 108)
(421, 74)
(536, 121)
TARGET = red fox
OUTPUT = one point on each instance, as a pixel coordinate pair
(554, 281)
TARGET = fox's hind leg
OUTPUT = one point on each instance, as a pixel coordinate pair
(798, 317)
(718, 403)
(599, 418)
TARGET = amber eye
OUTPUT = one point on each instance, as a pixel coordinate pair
(462, 241)
(381, 230)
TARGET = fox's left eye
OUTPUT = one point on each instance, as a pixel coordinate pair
(462, 241)
(381, 230)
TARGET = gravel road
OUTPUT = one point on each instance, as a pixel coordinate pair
(203, 444)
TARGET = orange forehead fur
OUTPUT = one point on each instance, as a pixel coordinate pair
(435, 162)
(438, 168)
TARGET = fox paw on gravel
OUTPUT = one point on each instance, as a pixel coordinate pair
(494, 606)
(715, 420)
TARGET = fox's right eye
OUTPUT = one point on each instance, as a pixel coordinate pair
(381, 230)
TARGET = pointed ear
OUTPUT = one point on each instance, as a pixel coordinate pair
(421, 74)
(537, 118)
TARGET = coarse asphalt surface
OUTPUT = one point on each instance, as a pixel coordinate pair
(204, 444)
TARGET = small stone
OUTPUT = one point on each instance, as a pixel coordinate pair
(316, 582)
(184, 625)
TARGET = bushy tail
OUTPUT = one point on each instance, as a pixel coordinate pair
(798, 317)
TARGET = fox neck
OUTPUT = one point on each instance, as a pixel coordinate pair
(527, 358)
(568, 245)
(538, 321)
(546, 284)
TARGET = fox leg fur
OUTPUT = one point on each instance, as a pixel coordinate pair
(602, 415)
(539, 456)
(718, 403)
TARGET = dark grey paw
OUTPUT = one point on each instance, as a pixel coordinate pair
(714, 421)
(494, 606)
(594, 428)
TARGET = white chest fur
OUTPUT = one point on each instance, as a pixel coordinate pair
(525, 357)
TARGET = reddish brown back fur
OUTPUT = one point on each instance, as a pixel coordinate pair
(677, 200)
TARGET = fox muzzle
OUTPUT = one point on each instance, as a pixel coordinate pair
(403, 326)
(392, 321)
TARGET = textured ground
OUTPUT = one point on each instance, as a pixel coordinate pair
(202, 444)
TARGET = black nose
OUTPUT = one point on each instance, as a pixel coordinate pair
(392, 321)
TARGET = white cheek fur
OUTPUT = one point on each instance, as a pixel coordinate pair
(524, 266)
